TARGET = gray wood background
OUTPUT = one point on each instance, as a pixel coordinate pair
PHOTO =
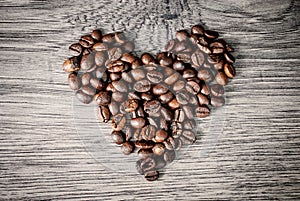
(249, 149)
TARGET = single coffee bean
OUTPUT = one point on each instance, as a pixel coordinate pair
(127, 77)
(151, 175)
(120, 86)
(145, 153)
(188, 111)
(143, 144)
(194, 87)
(217, 90)
(193, 101)
(188, 137)
(203, 41)
(179, 115)
(217, 101)
(128, 57)
(221, 78)
(178, 143)
(96, 34)
(205, 89)
(118, 137)
(118, 122)
(160, 89)
(131, 105)
(127, 148)
(219, 66)
(145, 164)
(205, 75)
(74, 82)
(204, 48)
(172, 78)
(189, 73)
(229, 70)
(169, 156)
(165, 61)
(202, 99)
(148, 132)
(120, 37)
(102, 98)
(179, 85)
(180, 47)
(86, 41)
(118, 96)
(182, 35)
(170, 45)
(108, 38)
(211, 34)
(128, 46)
(147, 58)
(198, 59)
(82, 97)
(138, 122)
(173, 104)
(99, 47)
(182, 97)
(178, 65)
(155, 76)
(138, 74)
(129, 132)
(115, 53)
(87, 62)
(229, 58)
(115, 76)
(184, 57)
(152, 107)
(88, 90)
(100, 58)
(142, 86)
(166, 114)
(158, 149)
(134, 95)
(101, 73)
(161, 135)
(189, 124)
(194, 38)
(103, 114)
(166, 98)
(116, 67)
(85, 78)
(146, 96)
(202, 111)
(71, 65)
(169, 143)
(113, 107)
(197, 29)
(75, 49)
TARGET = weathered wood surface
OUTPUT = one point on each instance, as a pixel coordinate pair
(249, 149)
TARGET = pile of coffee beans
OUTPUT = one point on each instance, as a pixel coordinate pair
(152, 102)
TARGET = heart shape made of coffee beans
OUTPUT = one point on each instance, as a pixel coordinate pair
(151, 101)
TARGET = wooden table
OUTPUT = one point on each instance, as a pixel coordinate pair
(247, 150)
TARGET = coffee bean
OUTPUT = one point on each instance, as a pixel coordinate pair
(229, 70)
(179, 85)
(82, 97)
(71, 65)
(205, 89)
(115, 76)
(87, 62)
(189, 124)
(103, 114)
(147, 96)
(114, 53)
(197, 29)
(194, 87)
(205, 75)
(131, 105)
(120, 37)
(155, 76)
(160, 89)
(179, 115)
(74, 82)
(75, 49)
(172, 78)
(221, 78)
(116, 67)
(127, 148)
(99, 47)
(118, 122)
(178, 65)
(202, 111)
(217, 101)
(142, 86)
(113, 107)
(148, 132)
(102, 98)
(204, 48)
(166, 98)
(184, 57)
(118, 96)
(100, 58)
(203, 99)
(178, 143)
(158, 149)
(165, 61)
(170, 45)
(134, 95)
(108, 38)
(163, 124)
(182, 35)
(152, 107)
(143, 144)
(147, 58)
(101, 73)
(120, 86)
(211, 34)
(138, 122)
(188, 137)
(229, 58)
(203, 41)
(85, 78)
(151, 175)
(188, 111)
(86, 41)
(96, 34)
(219, 65)
(128, 57)
(166, 114)
(126, 77)
(145, 153)
(189, 73)
(197, 59)
(118, 137)
(145, 165)
(128, 46)
(169, 156)
(88, 90)
(182, 97)
(138, 74)
(161, 135)
(173, 104)
(217, 90)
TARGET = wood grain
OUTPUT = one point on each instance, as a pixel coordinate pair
(248, 150)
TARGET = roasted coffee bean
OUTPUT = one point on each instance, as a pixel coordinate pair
(145, 153)
(86, 41)
(103, 114)
(88, 90)
(189, 124)
(118, 96)
(178, 65)
(115, 76)
(96, 34)
(184, 57)
(211, 34)
(108, 38)
(147, 96)
(152, 107)
(205, 75)
(151, 175)
(169, 143)
(128, 46)
(193, 101)
(166, 98)
(197, 29)
(114, 53)
(113, 108)
(100, 58)
(219, 66)
(182, 35)
(128, 57)
(221, 78)
(129, 132)
(134, 95)
(118, 137)
(170, 45)
(71, 65)
(87, 62)
(189, 73)
(179, 115)
(178, 143)
(142, 86)
(131, 105)
(229, 58)
(169, 156)
(172, 78)
(202, 99)
(179, 85)
(143, 144)
(148, 132)
(166, 61)
(160, 89)
(158, 149)
(138, 122)
(127, 77)
(163, 124)
(101, 73)
(188, 137)
(180, 47)
(152, 121)
(118, 122)
(217, 90)
(194, 87)
(102, 98)
(100, 47)
(198, 59)
(229, 70)
(138, 74)
(202, 111)
(203, 41)
(147, 58)
(140, 112)
(188, 110)
(166, 114)
(194, 38)
(217, 101)
(204, 48)
(120, 37)
(74, 82)
(75, 49)
(155, 76)
(85, 78)
(116, 66)
(120, 86)
(173, 104)
(161, 135)
(205, 89)
(137, 134)
(145, 165)
(82, 97)
(127, 148)
(182, 97)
